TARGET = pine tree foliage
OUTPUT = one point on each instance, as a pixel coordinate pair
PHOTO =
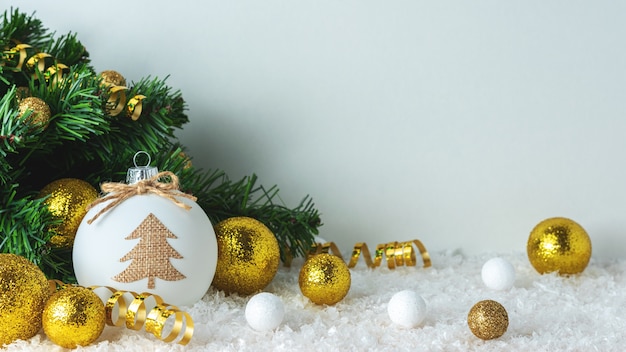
(85, 140)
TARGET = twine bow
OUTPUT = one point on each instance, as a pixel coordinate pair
(119, 192)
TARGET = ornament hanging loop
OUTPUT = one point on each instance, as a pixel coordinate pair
(139, 173)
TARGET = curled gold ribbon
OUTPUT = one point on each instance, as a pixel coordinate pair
(21, 48)
(395, 253)
(134, 107)
(119, 192)
(38, 59)
(117, 100)
(135, 316)
(55, 72)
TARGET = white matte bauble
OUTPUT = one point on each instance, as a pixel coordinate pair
(264, 311)
(407, 308)
(147, 243)
(498, 274)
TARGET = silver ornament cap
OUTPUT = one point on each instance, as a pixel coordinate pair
(139, 173)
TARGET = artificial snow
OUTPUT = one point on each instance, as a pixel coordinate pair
(584, 312)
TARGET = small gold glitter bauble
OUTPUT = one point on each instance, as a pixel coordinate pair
(40, 111)
(23, 294)
(73, 317)
(112, 78)
(324, 279)
(559, 244)
(22, 93)
(488, 320)
(247, 255)
(68, 200)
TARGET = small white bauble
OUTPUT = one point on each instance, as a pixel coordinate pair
(264, 311)
(148, 244)
(407, 308)
(498, 274)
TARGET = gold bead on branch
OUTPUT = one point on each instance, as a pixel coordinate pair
(40, 113)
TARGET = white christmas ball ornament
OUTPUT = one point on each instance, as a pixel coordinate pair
(407, 308)
(498, 274)
(147, 243)
(264, 311)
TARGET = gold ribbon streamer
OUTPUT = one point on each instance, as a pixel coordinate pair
(119, 192)
(134, 107)
(396, 253)
(55, 72)
(39, 60)
(117, 100)
(21, 48)
(135, 317)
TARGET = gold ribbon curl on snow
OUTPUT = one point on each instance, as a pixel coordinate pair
(396, 253)
(119, 192)
(135, 315)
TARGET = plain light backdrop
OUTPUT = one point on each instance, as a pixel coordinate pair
(460, 123)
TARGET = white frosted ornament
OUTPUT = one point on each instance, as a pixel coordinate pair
(146, 236)
(498, 274)
(407, 308)
(264, 311)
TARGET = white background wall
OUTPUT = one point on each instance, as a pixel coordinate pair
(461, 123)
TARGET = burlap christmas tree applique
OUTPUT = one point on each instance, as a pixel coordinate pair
(151, 256)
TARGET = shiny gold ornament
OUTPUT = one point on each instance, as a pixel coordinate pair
(23, 294)
(68, 200)
(488, 320)
(324, 279)
(559, 244)
(247, 256)
(40, 111)
(73, 317)
(112, 78)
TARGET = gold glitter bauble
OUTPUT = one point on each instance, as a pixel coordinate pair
(68, 200)
(488, 320)
(247, 256)
(40, 114)
(559, 244)
(73, 317)
(23, 294)
(324, 279)
(22, 93)
(112, 78)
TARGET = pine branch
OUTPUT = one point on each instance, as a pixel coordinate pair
(83, 140)
(222, 198)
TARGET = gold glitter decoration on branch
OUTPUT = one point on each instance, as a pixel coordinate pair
(136, 316)
(119, 192)
(67, 200)
(396, 253)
